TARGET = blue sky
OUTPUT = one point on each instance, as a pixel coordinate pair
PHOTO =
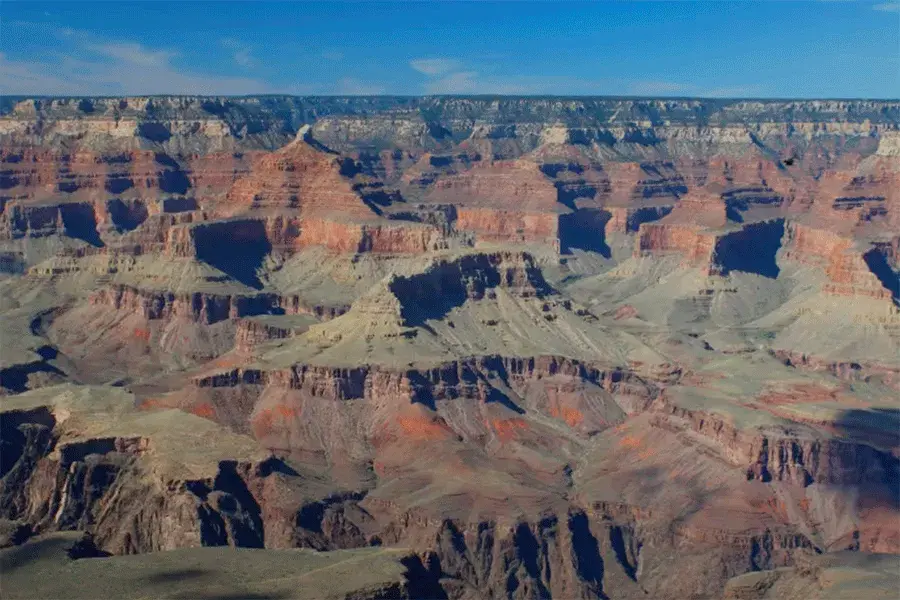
(774, 48)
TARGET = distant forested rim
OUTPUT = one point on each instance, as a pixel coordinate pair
(571, 111)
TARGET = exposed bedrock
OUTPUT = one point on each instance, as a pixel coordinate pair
(203, 307)
(103, 485)
(606, 552)
(692, 242)
(182, 253)
(779, 456)
(338, 383)
(847, 369)
(146, 174)
(628, 220)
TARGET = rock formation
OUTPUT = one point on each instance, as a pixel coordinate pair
(465, 348)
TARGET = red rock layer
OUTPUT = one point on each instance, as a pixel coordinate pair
(501, 225)
(380, 237)
(694, 244)
(502, 201)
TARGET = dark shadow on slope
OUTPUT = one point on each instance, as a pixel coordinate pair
(238, 507)
(421, 389)
(752, 249)
(172, 180)
(528, 552)
(495, 395)
(14, 379)
(86, 548)
(445, 286)
(127, 215)
(878, 264)
(733, 214)
(237, 248)
(118, 184)
(423, 581)
(618, 542)
(587, 559)
(869, 460)
(584, 229)
(80, 223)
(153, 131)
(176, 575)
(39, 551)
(273, 464)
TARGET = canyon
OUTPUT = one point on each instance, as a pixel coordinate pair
(448, 347)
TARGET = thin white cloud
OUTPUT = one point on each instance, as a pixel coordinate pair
(434, 66)
(114, 68)
(134, 54)
(887, 7)
(242, 54)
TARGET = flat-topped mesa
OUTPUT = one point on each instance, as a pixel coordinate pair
(502, 201)
(104, 128)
